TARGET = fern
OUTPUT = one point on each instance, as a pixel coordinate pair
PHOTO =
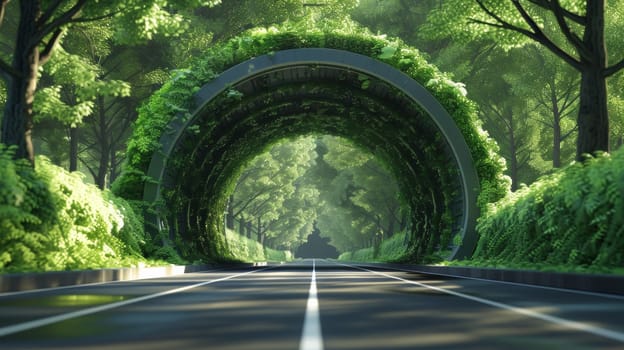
(51, 220)
(572, 217)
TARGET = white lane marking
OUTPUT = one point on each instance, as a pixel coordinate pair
(20, 327)
(571, 291)
(312, 337)
(613, 335)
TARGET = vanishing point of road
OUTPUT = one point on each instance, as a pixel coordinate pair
(310, 305)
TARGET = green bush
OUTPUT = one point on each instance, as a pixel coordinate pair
(393, 249)
(570, 218)
(51, 220)
(242, 248)
(245, 249)
(27, 216)
(169, 254)
(278, 255)
(366, 254)
(346, 256)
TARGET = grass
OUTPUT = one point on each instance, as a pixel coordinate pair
(390, 250)
(249, 250)
(393, 250)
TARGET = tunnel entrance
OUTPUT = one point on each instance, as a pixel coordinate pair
(241, 111)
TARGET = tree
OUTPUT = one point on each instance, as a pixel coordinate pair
(398, 18)
(616, 107)
(552, 89)
(573, 30)
(77, 89)
(40, 29)
(271, 194)
(360, 203)
(230, 18)
(514, 132)
(317, 247)
(295, 219)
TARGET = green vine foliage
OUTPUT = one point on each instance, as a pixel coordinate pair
(176, 99)
(245, 249)
(177, 95)
(570, 218)
(51, 220)
(26, 214)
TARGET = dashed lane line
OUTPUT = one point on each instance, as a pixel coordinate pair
(311, 336)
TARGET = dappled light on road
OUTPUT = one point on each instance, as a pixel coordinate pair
(359, 307)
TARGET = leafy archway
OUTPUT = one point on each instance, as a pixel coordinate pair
(196, 134)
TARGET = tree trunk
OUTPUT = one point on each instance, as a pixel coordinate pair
(241, 226)
(112, 176)
(593, 118)
(513, 149)
(391, 227)
(104, 146)
(556, 152)
(73, 149)
(21, 85)
(229, 220)
(249, 229)
(403, 223)
(261, 236)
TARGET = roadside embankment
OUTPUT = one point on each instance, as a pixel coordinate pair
(38, 280)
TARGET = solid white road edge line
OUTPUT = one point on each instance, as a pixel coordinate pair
(20, 327)
(311, 336)
(526, 285)
(613, 335)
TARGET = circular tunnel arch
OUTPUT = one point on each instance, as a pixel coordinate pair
(256, 69)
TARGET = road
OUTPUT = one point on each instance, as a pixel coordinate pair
(310, 305)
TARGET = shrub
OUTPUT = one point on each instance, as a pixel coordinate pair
(278, 255)
(393, 249)
(51, 220)
(27, 216)
(242, 248)
(572, 217)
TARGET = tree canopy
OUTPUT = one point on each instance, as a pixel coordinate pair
(545, 77)
(572, 30)
(40, 29)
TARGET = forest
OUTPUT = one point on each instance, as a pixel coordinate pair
(545, 79)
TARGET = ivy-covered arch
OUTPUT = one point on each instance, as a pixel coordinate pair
(198, 131)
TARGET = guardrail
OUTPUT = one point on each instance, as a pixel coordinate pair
(612, 284)
(41, 280)
(595, 283)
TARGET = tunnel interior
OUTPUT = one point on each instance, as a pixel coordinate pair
(209, 122)
(298, 100)
(320, 99)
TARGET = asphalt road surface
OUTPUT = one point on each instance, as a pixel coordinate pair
(310, 305)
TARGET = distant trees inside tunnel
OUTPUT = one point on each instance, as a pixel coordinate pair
(317, 247)
(272, 197)
(352, 198)
(403, 122)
